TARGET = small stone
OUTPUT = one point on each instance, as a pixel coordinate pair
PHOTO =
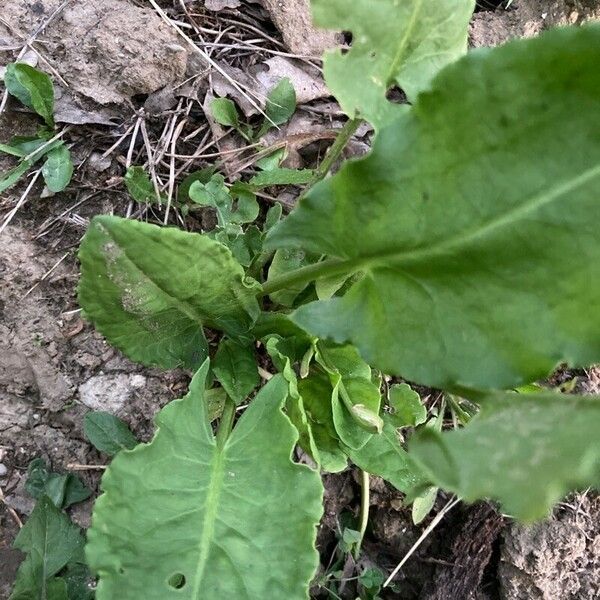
(3, 470)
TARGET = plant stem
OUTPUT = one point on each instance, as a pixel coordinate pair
(365, 501)
(226, 423)
(343, 137)
(325, 268)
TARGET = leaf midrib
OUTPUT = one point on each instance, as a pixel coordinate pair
(401, 52)
(210, 517)
(463, 238)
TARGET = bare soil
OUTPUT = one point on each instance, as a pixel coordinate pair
(116, 56)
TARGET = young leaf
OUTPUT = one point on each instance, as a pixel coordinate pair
(202, 175)
(280, 176)
(11, 177)
(139, 185)
(394, 43)
(33, 88)
(50, 541)
(423, 504)
(182, 503)
(273, 216)
(384, 456)
(64, 490)
(235, 368)
(23, 146)
(108, 433)
(309, 411)
(525, 450)
(466, 236)
(284, 261)
(315, 391)
(355, 399)
(281, 102)
(407, 406)
(58, 169)
(216, 195)
(225, 112)
(281, 105)
(150, 290)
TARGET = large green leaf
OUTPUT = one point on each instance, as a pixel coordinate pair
(526, 450)
(191, 517)
(150, 290)
(394, 43)
(50, 541)
(474, 221)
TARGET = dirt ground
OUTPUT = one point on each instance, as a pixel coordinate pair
(120, 68)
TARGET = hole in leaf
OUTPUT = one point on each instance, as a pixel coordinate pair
(177, 581)
(395, 95)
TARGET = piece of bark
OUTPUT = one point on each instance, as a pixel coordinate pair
(471, 552)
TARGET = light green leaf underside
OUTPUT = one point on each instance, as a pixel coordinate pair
(150, 290)
(384, 456)
(475, 222)
(58, 169)
(237, 521)
(525, 450)
(394, 42)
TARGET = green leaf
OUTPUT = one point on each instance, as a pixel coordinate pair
(355, 399)
(139, 185)
(216, 195)
(50, 541)
(108, 433)
(407, 406)
(64, 490)
(315, 429)
(183, 503)
(58, 169)
(273, 216)
(384, 456)
(316, 394)
(525, 450)
(281, 105)
(281, 102)
(22, 146)
(202, 175)
(393, 43)
(11, 177)
(234, 367)
(271, 161)
(224, 112)
(284, 261)
(328, 286)
(464, 220)
(79, 582)
(215, 399)
(150, 290)
(33, 88)
(424, 503)
(280, 176)
(246, 207)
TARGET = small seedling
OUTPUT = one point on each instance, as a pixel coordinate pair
(34, 89)
(280, 106)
